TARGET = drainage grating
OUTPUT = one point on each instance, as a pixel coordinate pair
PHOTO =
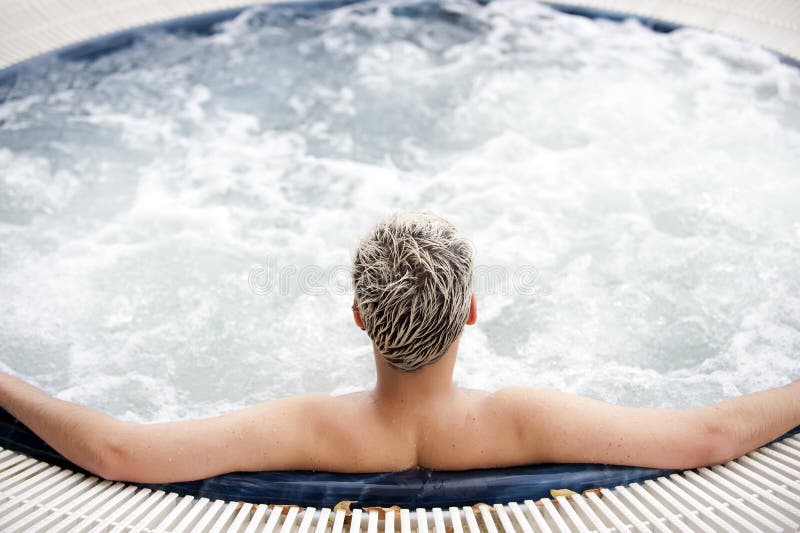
(757, 492)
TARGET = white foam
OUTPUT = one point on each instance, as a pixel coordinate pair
(644, 185)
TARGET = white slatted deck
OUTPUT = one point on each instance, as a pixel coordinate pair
(758, 492)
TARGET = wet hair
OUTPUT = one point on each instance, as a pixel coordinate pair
(412, 275)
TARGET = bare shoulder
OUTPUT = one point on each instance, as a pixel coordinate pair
(298, 432)
(319, 414)
(530, 404)
(510, 397)
(310, 406)
(527, 405)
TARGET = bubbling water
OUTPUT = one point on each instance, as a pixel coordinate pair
(177, 217)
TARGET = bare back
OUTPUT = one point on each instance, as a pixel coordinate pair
(465, 429)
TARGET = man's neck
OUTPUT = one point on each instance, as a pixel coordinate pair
(395, 386)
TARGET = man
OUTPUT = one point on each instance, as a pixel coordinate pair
(413, 295)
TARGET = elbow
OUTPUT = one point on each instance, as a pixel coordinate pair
(110, 467)
(112, 460)
(724, 446)
(713, 445)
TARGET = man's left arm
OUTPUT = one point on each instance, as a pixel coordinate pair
(560, 427)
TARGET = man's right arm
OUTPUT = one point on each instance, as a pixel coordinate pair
(560, 427)
(301, 432)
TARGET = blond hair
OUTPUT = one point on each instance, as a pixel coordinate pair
(412, 275)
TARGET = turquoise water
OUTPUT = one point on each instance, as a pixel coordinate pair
(177, 217)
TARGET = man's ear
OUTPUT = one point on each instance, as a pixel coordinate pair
(357, 315)
(473, 311)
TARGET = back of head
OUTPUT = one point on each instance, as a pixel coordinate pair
(413, 284)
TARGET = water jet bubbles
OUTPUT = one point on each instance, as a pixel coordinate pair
(640, 186)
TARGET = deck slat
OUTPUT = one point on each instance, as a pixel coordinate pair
(355, 521)
(308, 517)
(140, 511)
(607, 512)
(598, 524)
(204, 524)
(455, 520)
(291, 517)
(553, 514)
(272, 521)
(735, 519)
